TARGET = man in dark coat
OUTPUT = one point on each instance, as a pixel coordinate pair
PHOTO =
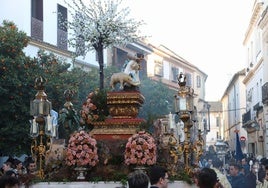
(236, 179)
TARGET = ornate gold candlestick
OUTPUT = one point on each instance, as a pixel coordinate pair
(41, 126)
(184, 108)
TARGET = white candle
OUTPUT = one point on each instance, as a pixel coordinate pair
(54, 132)
(170, 119)
(41, 107)
(49, 123)
(183, 104)
(34, 130)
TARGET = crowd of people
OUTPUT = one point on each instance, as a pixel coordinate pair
(211, 174)
(15, 172)
(157, 177)
(245, 173)
(236, 174)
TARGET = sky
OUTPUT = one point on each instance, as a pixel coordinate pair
(207, 33)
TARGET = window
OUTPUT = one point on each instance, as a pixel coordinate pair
(62, 29)
(188, 79)
(37, 9)
(218, 121)
(62, 18)
(175, 72)
(37, 19)
(158, 68)
(198, 81)
(80, 42)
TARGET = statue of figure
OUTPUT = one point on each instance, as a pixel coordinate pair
(130, 75)
(123, 79)
(157, 126)
(198, 147)
(172, 142)
(69, 120)
(180, 131)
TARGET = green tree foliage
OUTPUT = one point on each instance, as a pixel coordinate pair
(101, 24)
(16, 73)
(159, 100)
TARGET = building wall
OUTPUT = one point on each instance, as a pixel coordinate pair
(213, 134)
(263, 24)
(233, 107)
(254, 80)
(20, 13)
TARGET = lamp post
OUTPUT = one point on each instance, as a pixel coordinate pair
(221, 150)
(184, 108)
(41, 125)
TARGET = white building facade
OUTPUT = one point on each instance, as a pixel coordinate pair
(255, 119)
(41, 21)
(233, 107)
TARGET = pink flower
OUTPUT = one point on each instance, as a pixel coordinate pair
(82, 150)
(140, 149)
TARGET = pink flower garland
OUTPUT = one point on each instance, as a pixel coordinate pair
(82, 150)
(140, 149)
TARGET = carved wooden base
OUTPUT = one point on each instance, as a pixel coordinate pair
(114, 133)
(123, 108)
(124, 104)
(116, 127)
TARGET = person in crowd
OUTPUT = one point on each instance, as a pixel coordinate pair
(158, 177)
(195, 175)
(138, 179)
(209, 163)
(263, 184)
(6, 167)
(207, 178)
(31, 167)
(262, 171)
(18, 167)
(236, 179)
(217, 167)
(251, 178)
(245, 166)
(11, 173)
(9, 182)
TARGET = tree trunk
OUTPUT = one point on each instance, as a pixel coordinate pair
(100, 60)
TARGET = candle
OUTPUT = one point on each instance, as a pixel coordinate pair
(41, 107)
(49, 123)
(34, 125)
(179, 127)
(54, 132)
(183, 104)
(170, 120)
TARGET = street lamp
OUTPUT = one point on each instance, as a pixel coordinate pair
(221, 150)
(41, 125)
(184, 108)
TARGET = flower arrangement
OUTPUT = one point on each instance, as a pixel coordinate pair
(95, 107)
(140, 149)
(87, 113)
(82, 150)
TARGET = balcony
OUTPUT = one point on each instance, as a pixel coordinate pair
(246, 117)
(248, 123)
(265, 93)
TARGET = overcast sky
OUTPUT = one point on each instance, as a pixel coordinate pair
(207, 33)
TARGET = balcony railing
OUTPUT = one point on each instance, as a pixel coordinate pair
(246, 117)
